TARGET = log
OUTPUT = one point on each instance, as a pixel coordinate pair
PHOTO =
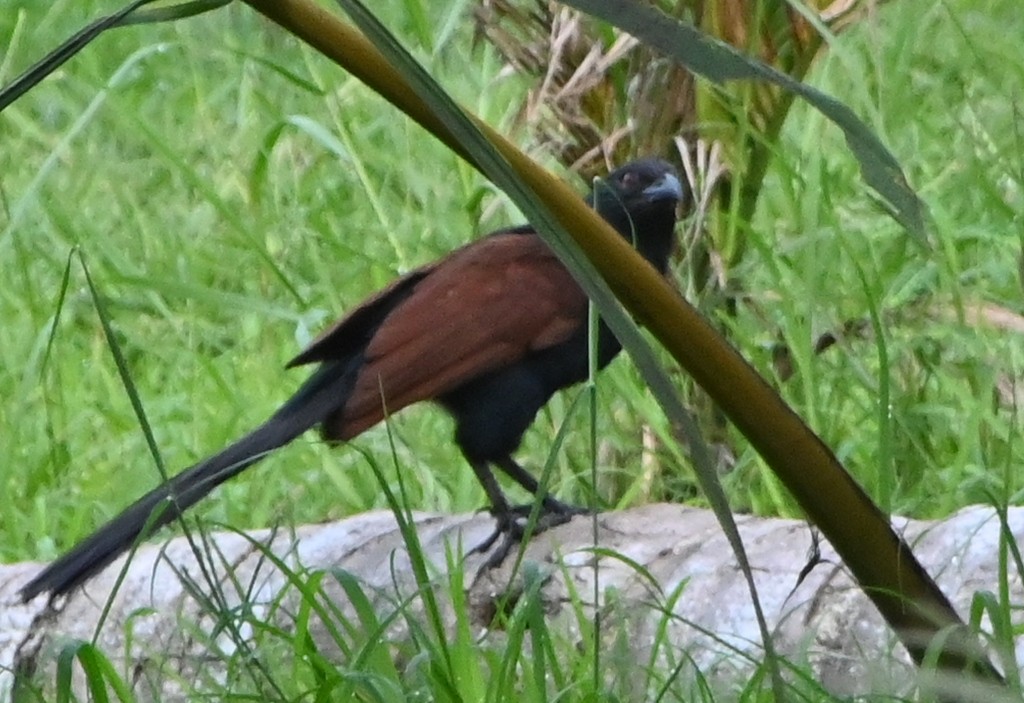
(169, 639)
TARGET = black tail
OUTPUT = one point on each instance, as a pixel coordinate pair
(323, 393)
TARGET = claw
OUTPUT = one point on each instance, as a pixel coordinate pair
(511, 523)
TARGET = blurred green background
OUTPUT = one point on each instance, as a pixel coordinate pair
(233, 192)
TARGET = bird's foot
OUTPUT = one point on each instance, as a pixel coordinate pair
(512, 525)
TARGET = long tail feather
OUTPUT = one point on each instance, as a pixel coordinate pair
(324, 392)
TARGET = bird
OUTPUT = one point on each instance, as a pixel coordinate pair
(489, 332)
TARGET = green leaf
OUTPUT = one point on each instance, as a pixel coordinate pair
(123, 17)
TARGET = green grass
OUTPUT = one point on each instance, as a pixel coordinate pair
(913, 411)
(233, 192)
(228, 213)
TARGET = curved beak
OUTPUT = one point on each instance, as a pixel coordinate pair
(667, 187)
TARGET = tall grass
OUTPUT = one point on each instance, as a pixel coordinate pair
(922, 389)
(233, 193)
(229, 210)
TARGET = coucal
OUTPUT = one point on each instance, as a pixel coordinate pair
(489, 332)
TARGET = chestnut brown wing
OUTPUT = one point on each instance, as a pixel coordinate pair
(484, 307)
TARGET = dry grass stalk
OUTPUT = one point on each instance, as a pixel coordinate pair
(601, 97)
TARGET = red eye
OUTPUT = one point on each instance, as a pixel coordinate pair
(629, 180)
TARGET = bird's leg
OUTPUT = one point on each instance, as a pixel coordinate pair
(509, 518)
(503, 514)
(523, 477)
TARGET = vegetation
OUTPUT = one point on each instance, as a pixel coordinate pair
(231, 193)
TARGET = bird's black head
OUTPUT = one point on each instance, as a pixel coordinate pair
(640, 200)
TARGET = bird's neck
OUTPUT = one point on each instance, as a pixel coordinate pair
(652, 234)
